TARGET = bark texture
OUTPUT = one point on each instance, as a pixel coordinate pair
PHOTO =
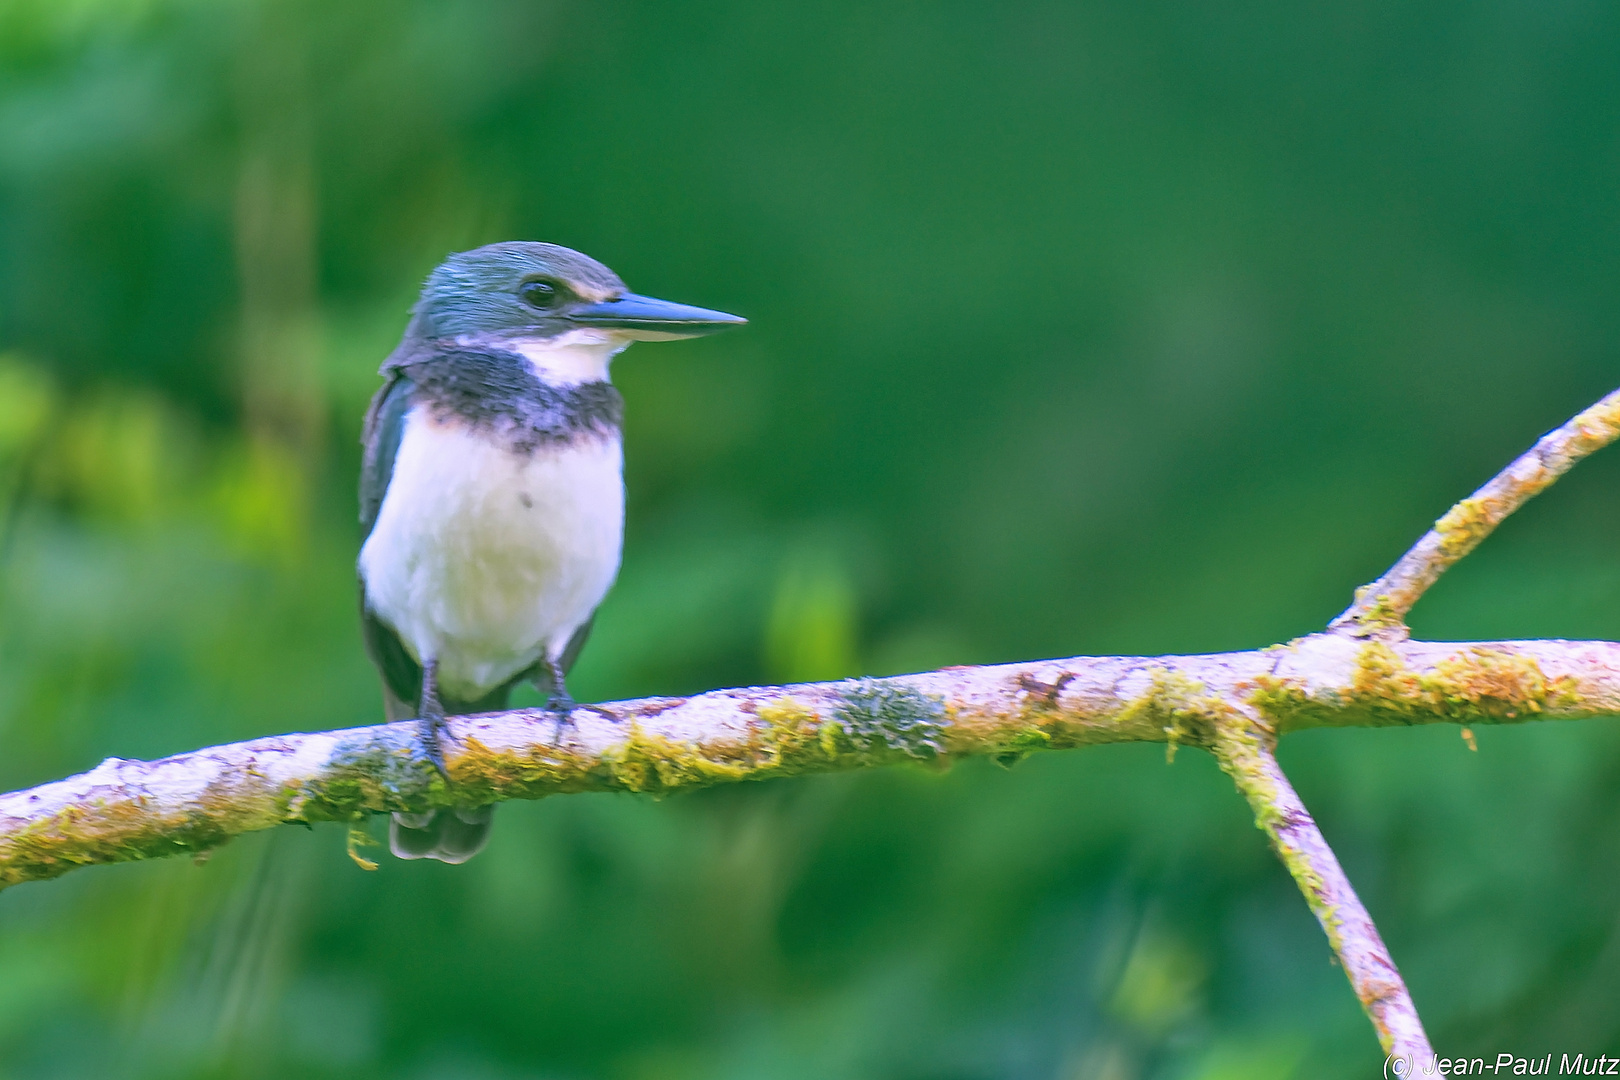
(191, 803)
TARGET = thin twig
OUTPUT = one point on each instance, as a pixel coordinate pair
(1384, 604)
(1244, 749)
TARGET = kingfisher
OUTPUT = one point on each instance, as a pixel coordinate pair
(492, 492)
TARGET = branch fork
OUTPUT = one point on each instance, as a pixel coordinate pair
(1362, 671)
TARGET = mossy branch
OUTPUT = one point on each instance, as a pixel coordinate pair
(1384, 604)
(1243, 745)
(188, 804)
(191, 803)
(1361, 672)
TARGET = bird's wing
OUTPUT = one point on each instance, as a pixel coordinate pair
(385, 425)
(401, 674)
(576, 643)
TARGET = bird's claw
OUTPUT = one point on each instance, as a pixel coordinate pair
(432, 747)
(561, 708)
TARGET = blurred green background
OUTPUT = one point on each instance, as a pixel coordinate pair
(1107, 327)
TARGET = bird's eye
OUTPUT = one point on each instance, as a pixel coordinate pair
(540, 294)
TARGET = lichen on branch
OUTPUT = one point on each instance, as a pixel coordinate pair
(1243, 745)
(1384, 604)
(1361, 672)
(191, 803)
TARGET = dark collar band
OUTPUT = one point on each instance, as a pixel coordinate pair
(498, 392)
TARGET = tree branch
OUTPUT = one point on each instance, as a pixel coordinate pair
(1362, 672)
(1244, 749)
(1385, 603)
(191, 803)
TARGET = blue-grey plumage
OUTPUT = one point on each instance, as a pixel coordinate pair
(491, 493)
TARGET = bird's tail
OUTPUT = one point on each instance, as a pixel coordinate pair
(451, 836)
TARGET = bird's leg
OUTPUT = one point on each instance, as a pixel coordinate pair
(558, 701)
(431, 716)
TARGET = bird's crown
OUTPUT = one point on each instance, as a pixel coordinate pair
(513, 286)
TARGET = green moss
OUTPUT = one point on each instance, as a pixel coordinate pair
(1041, 720)
(1027, 740)
(830, 738)
(359, 838)
(1243, 749)
(1382, 613)
(480, 775)
(123, 830)
(1499, 683)
(792, 732)
(1464, 526)
(1476, 685)
(1179, 707)
(881, 716)
(1280, 701)
(384, 770)
(649, 762)
(788, 739)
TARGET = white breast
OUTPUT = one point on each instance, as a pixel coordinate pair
(488, 559)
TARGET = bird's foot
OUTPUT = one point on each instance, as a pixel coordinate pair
(561, 707)
(431, 716)
(432, 746)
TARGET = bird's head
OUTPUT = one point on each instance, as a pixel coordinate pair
(532, 292)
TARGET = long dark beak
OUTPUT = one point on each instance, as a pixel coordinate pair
(653, 319)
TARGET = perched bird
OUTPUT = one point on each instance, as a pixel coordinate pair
(492, 494)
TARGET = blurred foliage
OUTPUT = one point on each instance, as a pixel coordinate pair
(1115, 327)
